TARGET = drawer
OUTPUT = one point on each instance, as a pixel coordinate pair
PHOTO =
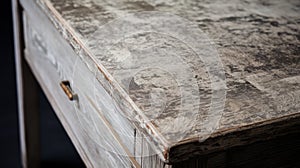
(90, 44)
(102, 136)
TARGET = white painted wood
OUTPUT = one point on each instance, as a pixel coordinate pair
(51, 63)
(263, 102)
(259, 94)
(94, 103)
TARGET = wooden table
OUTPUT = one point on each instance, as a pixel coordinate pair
(158, 83)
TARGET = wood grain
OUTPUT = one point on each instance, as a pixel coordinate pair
(43, 54)
(258, 44)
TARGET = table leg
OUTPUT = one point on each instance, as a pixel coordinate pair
(28, 97)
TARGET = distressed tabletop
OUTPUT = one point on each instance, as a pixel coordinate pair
(257, 42)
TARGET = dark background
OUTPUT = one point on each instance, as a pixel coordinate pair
(56, 148)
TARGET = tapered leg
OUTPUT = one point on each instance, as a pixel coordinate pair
(28, 97)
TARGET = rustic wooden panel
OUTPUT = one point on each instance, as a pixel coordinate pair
(257, 41)
(44, 47)
(278, 152)
(44, 54)
(258, 44)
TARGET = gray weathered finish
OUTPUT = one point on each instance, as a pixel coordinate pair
(258, 42)
(43, 53)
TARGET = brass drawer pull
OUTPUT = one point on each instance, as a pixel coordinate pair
(65, 85)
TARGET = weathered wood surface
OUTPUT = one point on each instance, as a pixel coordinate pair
(97, 144)
(278, 152)
(258, 43)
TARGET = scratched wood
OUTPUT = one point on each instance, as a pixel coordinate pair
(98, 146)
(258, 43)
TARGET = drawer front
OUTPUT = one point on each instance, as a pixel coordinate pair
(91, 126)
